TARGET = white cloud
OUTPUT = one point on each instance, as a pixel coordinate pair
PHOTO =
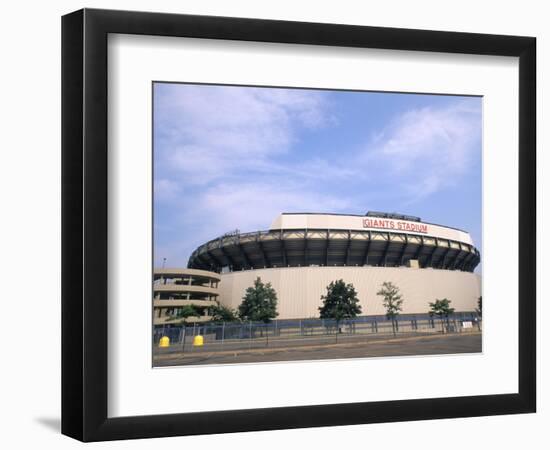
(428, 148)
(208, 132)
(262, 203)
(223, 160)
(216, 154)
(245, 206)
(165, 190)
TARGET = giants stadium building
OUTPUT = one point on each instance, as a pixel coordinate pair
(302, 253)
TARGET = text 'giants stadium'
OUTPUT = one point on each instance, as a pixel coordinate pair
(302, 253)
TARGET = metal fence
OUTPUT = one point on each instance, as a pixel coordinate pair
(295, 332)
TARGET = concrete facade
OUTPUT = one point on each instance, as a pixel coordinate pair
(176, 288)
(371, 221)
(299, 289)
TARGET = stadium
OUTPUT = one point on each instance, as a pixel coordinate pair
(302, 253)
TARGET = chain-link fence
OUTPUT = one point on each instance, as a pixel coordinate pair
(296, 333)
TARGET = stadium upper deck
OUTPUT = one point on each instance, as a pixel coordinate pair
(307, 239)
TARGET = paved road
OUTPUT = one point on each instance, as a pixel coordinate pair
(424, 345)
(283, 342)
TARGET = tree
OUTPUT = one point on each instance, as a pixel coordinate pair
(259, 303)
(392, 302)
(221, 313)
(339, 303)
(441, 308)
(186, 311)
(478, 310)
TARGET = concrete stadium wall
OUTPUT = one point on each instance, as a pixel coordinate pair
(299, 289)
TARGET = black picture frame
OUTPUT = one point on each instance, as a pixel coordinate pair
(84, 224)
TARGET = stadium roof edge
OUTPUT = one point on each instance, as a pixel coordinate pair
(362, 215)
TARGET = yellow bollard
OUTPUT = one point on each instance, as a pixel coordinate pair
(198, 341)
(164, 341)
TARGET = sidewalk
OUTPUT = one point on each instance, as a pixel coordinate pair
(436, 343)
(289, 341)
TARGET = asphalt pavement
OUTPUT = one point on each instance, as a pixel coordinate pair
(399, 346)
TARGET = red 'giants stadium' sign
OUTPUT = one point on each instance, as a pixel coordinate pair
(389, 224)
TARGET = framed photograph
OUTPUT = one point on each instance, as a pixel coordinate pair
(271, 224)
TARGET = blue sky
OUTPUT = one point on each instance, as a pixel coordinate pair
(228, 157)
